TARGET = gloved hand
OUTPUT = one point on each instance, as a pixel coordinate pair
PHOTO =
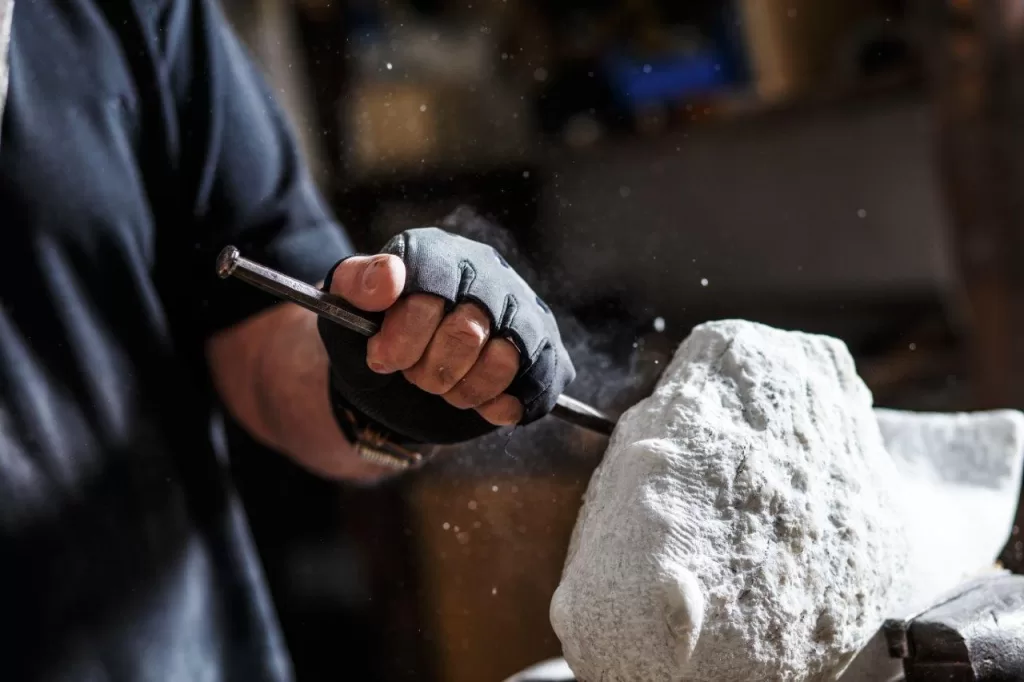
(465, 345)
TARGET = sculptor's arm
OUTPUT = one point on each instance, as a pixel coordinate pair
(271, 372)
(247, 186)
(239, 180)
(272, 369)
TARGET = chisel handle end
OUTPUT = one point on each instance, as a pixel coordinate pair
(227, 261)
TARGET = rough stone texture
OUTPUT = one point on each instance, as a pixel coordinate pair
(953, 482)
(756, 519)
(743, 524)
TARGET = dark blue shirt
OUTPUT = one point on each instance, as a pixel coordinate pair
(137, 141)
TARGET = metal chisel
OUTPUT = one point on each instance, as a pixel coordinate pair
(230, 263)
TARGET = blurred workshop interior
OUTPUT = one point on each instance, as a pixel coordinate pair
(846, 167)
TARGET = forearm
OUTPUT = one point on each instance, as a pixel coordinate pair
(272, 373)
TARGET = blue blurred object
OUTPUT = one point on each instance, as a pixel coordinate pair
(723, 63)
(667, 78)
(364, 19)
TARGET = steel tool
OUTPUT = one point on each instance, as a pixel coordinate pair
(230, 263)
(976, 634)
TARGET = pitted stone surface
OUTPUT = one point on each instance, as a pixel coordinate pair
(745, 523)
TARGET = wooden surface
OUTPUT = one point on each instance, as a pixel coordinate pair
(490, 553)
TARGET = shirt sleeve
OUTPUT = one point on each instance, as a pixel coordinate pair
(238, 170)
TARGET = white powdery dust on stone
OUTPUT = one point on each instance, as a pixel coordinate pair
(744, 523)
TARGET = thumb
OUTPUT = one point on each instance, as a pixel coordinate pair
(370, 283)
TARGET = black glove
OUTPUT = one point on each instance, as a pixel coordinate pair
(458, 270)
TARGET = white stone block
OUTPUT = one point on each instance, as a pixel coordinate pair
(748, 522)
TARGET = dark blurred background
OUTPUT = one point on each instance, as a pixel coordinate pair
(850, 167)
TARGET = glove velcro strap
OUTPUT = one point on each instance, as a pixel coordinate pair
(373, 442)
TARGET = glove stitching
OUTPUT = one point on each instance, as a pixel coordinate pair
(508, 313)
(504, 329)
(532, 360)
(467, 275)
(544, 343)
(401, 247)
(397, 246)
(544, 392)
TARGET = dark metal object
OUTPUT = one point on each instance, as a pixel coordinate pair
(230, 263)
(975, 635)
(579, 413)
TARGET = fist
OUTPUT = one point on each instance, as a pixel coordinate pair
(465, 344)
(452, 355)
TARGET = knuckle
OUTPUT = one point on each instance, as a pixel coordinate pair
(420, 309)
(440, 380)
(403, 354)
(346, 273)
(463, 396)
(393, 349)
(418, 378)
(476, 393)
(464, 333)
(512, 410)
(432, 379)
(502, 358)
(508, 408)
(467, 327)
(489, 384)
(478, 386)
(476, 313)
(407, 329)
(502, 410)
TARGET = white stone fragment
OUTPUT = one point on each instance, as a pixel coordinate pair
(961, 478)
(552, 670)
(748, 523)
(960, 475)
